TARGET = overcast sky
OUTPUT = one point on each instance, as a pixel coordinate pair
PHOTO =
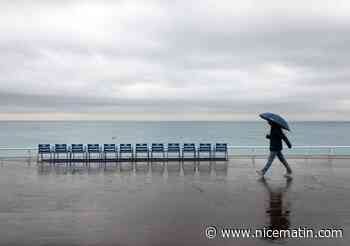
(170, 59)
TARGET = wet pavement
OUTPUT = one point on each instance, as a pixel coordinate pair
(171, 203)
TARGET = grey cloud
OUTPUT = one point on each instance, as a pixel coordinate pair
(171, 55)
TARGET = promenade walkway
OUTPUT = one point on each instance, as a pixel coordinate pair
(170, 203)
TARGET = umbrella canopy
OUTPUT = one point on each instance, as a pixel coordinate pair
(275, 118)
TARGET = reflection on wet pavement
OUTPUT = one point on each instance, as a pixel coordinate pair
(278, 210)
(171, 203)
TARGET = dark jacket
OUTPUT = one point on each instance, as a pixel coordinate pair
(276, 136)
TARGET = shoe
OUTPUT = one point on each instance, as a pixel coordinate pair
(260, 173)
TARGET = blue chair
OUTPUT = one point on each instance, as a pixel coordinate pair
(44, 149)
(126, 148)
(141, 148)
(188, 148)
(110, 148)
(204, 148)
(60, 149)
(77, 149)
(157, 148)
(93, 149)
(221, 148)
(173, 148)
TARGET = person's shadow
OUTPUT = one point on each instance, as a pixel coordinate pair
(278, 211)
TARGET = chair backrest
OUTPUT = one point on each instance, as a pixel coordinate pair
(44, 148)
(77, 148)
(109, 148)
(204, 147)
(61, 148)
(173, 147)
(157, 147)
(221, 147)
(93, 148)
(125, 148)
(189, 147)
(141, 147)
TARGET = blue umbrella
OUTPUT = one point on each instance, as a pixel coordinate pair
(275, 119)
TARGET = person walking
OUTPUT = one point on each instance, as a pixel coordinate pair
(276, 136)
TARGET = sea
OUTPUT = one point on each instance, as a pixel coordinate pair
(24, 134)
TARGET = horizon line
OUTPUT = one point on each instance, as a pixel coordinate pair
(169, 116)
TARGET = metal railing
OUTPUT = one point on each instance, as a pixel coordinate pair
(18, 153)
(233, 151)
(296, 151)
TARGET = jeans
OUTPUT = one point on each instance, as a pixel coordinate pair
(280, 156)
